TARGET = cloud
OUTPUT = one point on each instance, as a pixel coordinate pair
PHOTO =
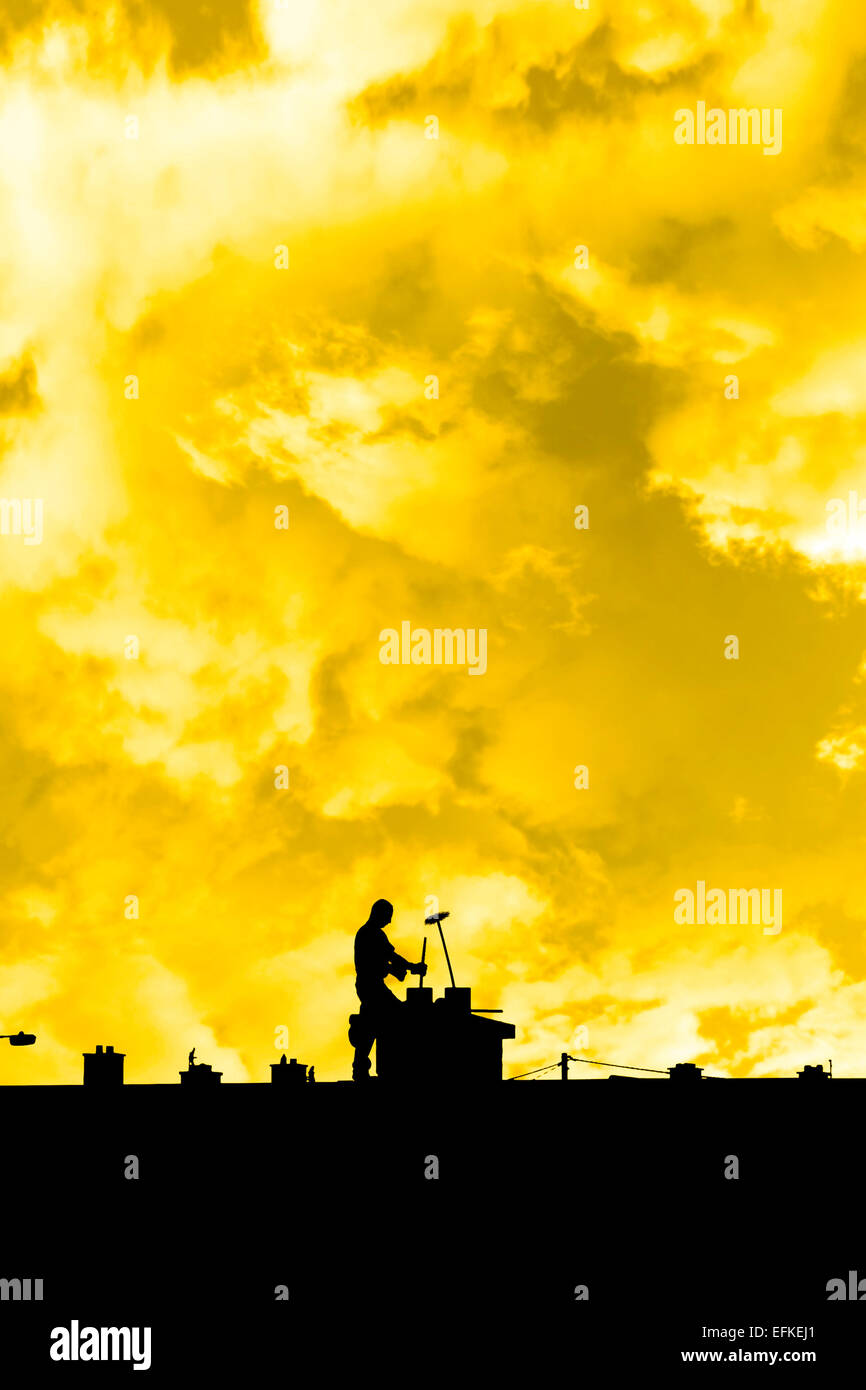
(303, 391)
(19, 394)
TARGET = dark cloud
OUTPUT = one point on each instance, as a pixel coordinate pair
(201, 35)
(18, 389)
(584, 80)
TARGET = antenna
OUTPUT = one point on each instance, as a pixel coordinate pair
(437, 918)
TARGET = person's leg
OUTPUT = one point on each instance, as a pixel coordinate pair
(384, 1009)
(362, 1033)
(377, 1003)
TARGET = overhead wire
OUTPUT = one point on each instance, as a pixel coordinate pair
(612, 1066)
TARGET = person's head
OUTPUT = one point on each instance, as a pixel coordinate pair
(380, 913)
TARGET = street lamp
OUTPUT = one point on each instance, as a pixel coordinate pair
(19, 1039)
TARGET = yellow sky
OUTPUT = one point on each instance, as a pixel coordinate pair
(154, 159)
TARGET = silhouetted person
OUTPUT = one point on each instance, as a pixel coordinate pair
(375, 958)
(192, 1059)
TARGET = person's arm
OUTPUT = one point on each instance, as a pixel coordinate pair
(399, 967)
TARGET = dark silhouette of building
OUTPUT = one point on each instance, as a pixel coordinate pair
(200, 1077)
(288, 1073)
(685, 1071)
(814, 1074)
(103, 1069)
(442, 1040)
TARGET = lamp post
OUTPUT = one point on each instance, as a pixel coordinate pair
(19, 1039)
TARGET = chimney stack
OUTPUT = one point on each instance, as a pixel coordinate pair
(103, 1069)
(685, 1071)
